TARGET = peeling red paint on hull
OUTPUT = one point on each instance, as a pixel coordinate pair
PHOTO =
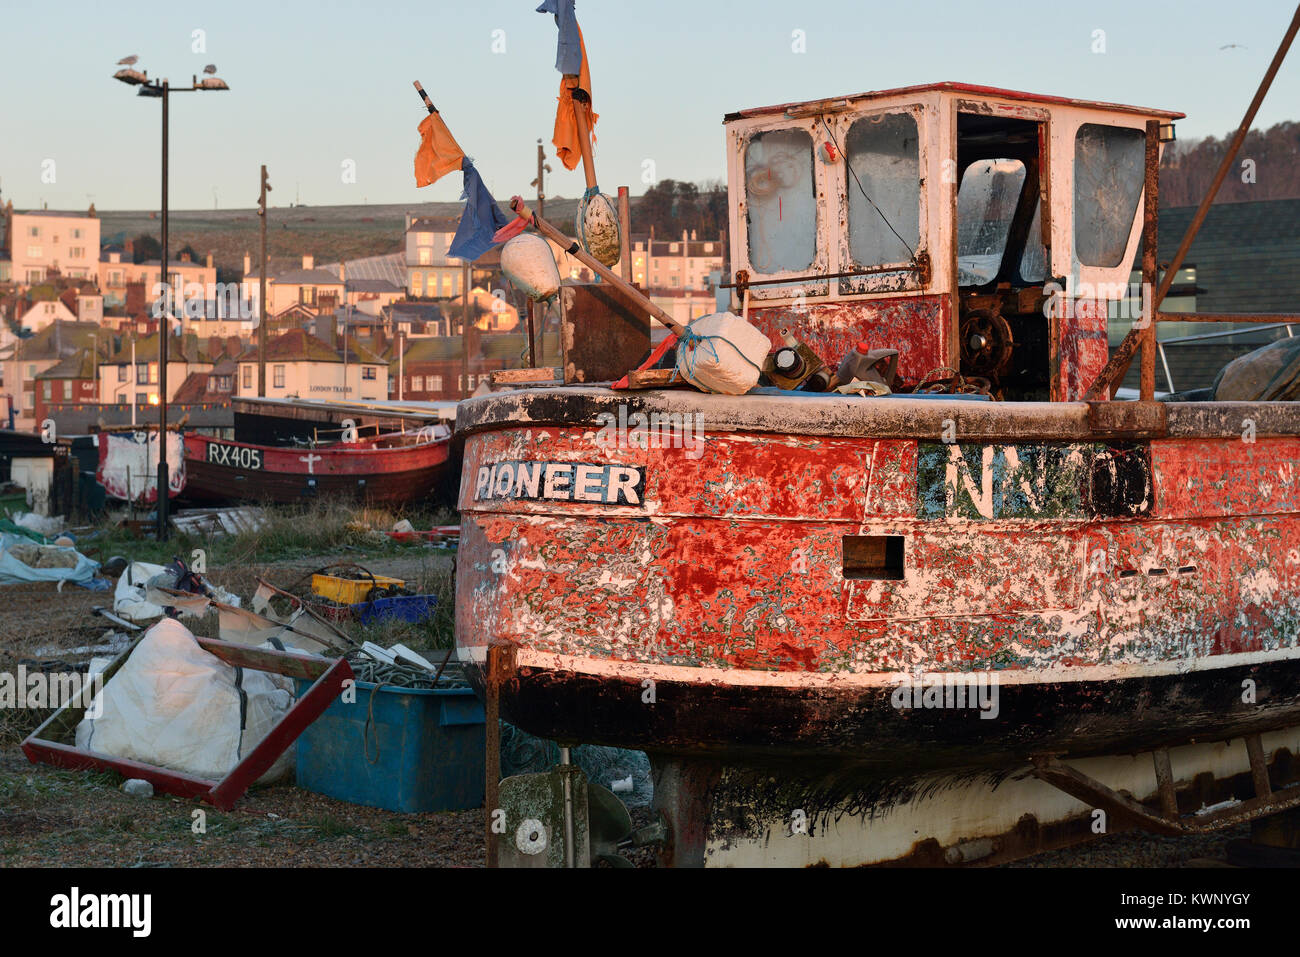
(1090, 598)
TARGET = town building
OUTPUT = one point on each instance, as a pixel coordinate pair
(46, 242)
(23, 361)
(70, 381)
(301, 365)
(131, 375)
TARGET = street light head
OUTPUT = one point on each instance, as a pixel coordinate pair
(131, 77)
(212, 83)
(150, 91)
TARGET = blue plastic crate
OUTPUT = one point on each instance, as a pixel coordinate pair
(423, 750)
(398, 608)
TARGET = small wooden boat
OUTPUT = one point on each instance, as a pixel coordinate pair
(396, 469)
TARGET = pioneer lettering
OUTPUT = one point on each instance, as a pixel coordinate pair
(561, 482)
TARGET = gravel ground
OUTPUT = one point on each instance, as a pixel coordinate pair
(50, 817)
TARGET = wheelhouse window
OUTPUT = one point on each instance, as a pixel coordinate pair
(1108, 177)
(781, 201)
(884, 189)
(986, 205)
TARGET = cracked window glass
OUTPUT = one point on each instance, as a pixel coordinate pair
(1033, 264)
(781, 201)
(884, 164)
(1108, 174)
(986, 205)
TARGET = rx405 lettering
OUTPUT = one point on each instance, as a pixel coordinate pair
(234, 456)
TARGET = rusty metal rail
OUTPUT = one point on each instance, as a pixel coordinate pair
(1169, 820)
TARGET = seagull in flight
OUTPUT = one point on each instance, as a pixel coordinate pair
(210, 68)
(128, 60)
(1233, 46)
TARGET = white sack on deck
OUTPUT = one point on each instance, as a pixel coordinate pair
(174, 705)
(728, 357)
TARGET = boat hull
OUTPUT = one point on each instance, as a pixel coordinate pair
(221, 471)
(1105, 587)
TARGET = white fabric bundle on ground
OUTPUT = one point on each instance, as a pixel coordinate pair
(175, 705)
(724, 354)
(529, 264)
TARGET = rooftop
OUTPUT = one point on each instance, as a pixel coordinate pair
(954, 88)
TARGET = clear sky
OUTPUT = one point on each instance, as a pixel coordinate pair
(316, 84)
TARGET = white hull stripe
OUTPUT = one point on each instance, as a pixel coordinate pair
(608, 668)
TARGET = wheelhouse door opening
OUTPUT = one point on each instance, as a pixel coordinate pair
(1005, 336)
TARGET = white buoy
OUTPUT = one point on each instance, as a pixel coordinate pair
(529, 264)
(597, 227)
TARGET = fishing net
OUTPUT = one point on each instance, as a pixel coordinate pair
(521, 753)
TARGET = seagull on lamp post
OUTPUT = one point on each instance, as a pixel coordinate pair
(128, 60)
(210, 68)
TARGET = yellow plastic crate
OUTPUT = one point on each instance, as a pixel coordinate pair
(350, 591)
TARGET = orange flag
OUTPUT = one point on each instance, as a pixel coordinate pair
(568, 143)
(438, 154)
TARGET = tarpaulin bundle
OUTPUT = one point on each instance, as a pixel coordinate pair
(439, 153)
(571, 61)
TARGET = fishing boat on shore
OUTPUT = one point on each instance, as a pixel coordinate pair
(916, 627)
(400, 468)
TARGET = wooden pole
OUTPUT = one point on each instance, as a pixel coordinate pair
(1150, 274)
(464, 329)
(604, 272)
(581, 98)
(625, 233)
(1119, 362)
(492, 748)
(261, 295)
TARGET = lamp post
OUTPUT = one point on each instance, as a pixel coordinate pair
(163, 90)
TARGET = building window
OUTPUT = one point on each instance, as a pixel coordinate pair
(277, 376)
(417, 284)
(35, 252)
(67, 390)
(248, 377)
(121, 373)
(153, 373)
(435, 383)
(368, 372)
(417, 383)
(76, 234)
(46, 390)
(141, 398)
(31, 372)
(141, 375)
(426, 255)
(77, 252)
(34, 232)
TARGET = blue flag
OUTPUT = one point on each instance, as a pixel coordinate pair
(480, 220)
(568, 55)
